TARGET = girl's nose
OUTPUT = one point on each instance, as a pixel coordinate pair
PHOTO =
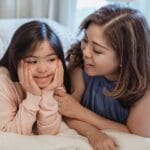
(42, 67)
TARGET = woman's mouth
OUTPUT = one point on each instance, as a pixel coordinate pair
(88, 65)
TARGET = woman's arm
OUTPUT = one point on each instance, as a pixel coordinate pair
(70, 107)
(139, 119)
(77, 84)
(97, 139)
(48, 118)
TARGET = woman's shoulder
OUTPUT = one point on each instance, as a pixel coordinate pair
(139, 120)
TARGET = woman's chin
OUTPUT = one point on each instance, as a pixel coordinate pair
(90, 73)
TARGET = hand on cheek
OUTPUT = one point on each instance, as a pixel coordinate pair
(26, 79)
(58, 78)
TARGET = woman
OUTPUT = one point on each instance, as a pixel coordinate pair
(109, 70)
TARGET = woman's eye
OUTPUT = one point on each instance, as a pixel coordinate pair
(97, 51)
(83, 43)
(84, 40)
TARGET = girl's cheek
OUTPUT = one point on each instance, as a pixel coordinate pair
(31, 67)
(52, 67)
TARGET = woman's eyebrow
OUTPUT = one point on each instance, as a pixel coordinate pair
(96, 43)
(85, 35)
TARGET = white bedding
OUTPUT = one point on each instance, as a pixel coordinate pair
(68, 139)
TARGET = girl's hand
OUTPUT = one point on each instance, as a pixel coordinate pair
(26, 80)
(58, 78)
(101, 141)
(68, 106)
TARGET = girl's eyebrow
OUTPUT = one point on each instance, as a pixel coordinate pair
(34, 56)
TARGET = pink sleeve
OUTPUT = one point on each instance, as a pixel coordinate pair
(48, 119)
(15, 117)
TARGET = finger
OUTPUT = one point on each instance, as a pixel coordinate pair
(19, 70)
(59, 92)
(56, 98)
(25, 73)
(30, 79)
(99, 147)
(53, 84)
(109, 145)
(105, 147)
(62, 88)
(21, 79)
(55, 80)
(60, 73)
(112, 146)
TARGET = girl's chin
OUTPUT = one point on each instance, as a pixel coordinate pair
(43, 86)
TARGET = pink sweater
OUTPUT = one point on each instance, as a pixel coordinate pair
(19, 114)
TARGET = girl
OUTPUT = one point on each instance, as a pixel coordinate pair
(110, 77)
(32, 67)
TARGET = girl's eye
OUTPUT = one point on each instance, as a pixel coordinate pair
(31, 61)
(51, 59)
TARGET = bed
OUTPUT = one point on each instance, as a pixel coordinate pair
(66, 139)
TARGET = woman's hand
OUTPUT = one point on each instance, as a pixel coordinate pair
(26, 80)
(101, 141)
(58, 78)
(68, 106)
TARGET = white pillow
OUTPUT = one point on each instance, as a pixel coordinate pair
(2, 49)
(68, 140)
(9, 26)
(128, 141)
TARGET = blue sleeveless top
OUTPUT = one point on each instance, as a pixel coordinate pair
(95, 100)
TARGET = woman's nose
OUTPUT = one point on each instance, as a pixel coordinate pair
(87, 52)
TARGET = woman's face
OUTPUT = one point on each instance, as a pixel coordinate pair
(99, 58)
(42, 64)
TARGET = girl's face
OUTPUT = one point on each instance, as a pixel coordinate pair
(42, 64)
(99, 58)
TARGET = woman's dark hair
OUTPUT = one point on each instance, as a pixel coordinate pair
(127, 32)
(24, 40)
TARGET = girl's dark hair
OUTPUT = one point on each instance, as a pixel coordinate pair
(127, 32)
(24, 40)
